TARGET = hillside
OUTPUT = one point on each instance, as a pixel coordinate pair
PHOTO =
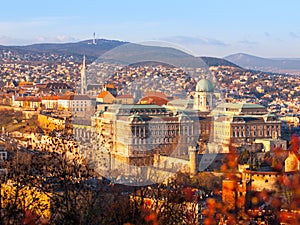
(212, 61)
(265, 64)
(118, 51)
(80, 48)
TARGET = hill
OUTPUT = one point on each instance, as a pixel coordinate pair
(115, 50)
(136, 53)
(81, 48)
(265, 64)
(212, 61)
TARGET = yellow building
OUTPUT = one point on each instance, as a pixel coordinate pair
(27, 102)
(53, 121)
(134, 133)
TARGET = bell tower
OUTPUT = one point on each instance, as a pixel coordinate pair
(83, 87)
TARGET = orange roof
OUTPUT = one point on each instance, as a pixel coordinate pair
(28, 98)
(50, 98)
(153, 100)
(23, 83)
(125, 96)
(103, 94)
(65, 97)
(110, 86)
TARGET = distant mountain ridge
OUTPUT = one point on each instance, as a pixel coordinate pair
(212, 61)
(82, 48)
(265, 64)
(152, 53)
(125, 51)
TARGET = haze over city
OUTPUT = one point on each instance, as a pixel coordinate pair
(211, 28)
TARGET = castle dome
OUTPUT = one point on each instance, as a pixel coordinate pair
(205, 85)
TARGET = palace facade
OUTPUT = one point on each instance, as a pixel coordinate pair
(240, 123)
(135, 133)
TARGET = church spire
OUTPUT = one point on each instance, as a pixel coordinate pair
(83, 87)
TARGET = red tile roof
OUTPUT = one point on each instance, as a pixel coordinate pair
(74, 97)
(65, 97)
(50, 98)
(153, 100)
(28, 99)
(125, 96)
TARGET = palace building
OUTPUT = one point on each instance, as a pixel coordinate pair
(239, 123)
(135, 133)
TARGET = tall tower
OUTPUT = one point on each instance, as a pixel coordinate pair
(83, 86)
(94, 39)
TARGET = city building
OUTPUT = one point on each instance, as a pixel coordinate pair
(27, 102)
(134, 133)
(79, 105)
(124, 99)
(240, 123)
(270, 144)
(105, 97)
(50, 102)
(59, 88)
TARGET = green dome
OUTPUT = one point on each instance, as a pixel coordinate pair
(205, 85)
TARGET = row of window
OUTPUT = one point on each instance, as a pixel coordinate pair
(250, 134)
(256, 127)
(137, 141)
(155, 134)
(163, 126)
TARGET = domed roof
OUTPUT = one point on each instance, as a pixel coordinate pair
(205, 85)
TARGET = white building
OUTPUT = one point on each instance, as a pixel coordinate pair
(50, 102)
(79, 105)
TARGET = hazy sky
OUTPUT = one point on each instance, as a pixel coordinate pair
(267, 28)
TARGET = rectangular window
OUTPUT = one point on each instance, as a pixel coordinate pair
(3, 155)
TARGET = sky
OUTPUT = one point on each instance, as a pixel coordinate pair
(266, 28)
